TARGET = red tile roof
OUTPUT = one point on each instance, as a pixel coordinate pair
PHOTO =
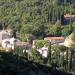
(22, 43)
(54, 38)
(68, 16)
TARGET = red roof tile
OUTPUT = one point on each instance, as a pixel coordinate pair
(54, 38)
(67, 16)
(22, 43)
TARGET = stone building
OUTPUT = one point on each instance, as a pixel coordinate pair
(4, 35)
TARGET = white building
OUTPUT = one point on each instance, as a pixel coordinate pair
(4, 35)
(9, 43)
(43, 51)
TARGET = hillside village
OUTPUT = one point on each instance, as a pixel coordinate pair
(9, 43)
(37, 35)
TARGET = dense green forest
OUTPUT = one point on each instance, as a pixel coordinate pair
(37, 17)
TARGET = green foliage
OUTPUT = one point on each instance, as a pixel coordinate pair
(58, 47)
(58, 24)
(73, 25)
(58, 28)
(50, 30)
(57, 50)
(65, 32)
(18, 51)
(26, 37)
(41, 43)
(35, 56)
(55, 29)
(32, 16)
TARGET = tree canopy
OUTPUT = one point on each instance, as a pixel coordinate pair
(33, 16)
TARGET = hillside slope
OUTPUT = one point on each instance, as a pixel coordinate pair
(15, 65)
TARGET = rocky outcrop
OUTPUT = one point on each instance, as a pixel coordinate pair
(69, 41)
